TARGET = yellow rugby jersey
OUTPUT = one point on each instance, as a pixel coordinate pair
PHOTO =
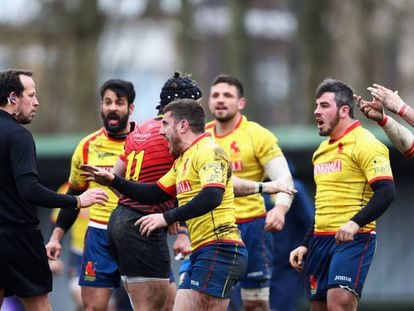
(249, 146)
(100, 150)
(78, 229)
(343, 172)
(204, 164)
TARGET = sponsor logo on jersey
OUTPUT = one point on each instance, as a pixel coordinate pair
(103, 155)
(142, 136)
(236, 166)
(183, 186)
(328, 167)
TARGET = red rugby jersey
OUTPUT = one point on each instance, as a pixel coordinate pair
(146, 159)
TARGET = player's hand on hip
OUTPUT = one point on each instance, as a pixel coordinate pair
(346, 232)
(97, 174)
(149, 223)
(297, 258)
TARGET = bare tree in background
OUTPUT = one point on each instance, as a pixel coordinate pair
(66, 34)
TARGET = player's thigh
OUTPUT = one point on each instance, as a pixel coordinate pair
(259, 244)
(341, 299)
(350, 263)
(95, 298)
(183, 300)
(148, 294)
(37, 303)
(205, 302)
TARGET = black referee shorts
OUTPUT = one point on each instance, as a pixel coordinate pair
(24, 268)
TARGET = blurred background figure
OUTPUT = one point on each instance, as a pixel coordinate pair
(286, 286)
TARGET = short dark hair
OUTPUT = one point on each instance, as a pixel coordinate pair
(344, 95)
(178, 86)
(190, 110)
(10, 82)
(120, 88)
(223, 78)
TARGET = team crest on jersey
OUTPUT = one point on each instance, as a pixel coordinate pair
(90, 271)
(234, 147)
(183, 186)
(328, 167)
(313, 285)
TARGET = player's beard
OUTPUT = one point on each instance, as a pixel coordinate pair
(174, 143)
(334, 122)
(122, 122)
(224, 118)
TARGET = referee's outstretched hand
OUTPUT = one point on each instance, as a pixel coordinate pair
(93, 196)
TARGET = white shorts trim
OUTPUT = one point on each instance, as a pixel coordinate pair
(97, 225)
(140, 279)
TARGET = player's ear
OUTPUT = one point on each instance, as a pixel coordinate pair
(131, 108)
(242, 103)
(12, 97)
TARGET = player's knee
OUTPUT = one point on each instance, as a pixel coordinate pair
(342, 298)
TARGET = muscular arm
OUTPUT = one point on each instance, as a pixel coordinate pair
(384, 194)
(242, 187)
(278, 169)
(399, 135)
(392, 101)
(206, 200)
(31, 191)
(140, 192)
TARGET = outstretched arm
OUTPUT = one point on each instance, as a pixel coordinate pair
(140, 192)
(392, 102)
(33, 192)
(244, 187)
(398, 134)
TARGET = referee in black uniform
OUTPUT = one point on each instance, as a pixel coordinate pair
(24, 269)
